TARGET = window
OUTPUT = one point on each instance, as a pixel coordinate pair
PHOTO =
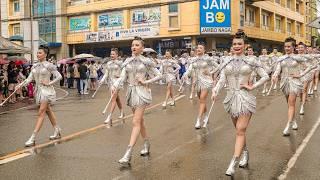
(242, 20)
(265, 20)
(298, 7)
(241, 7)
(298, 29)
(278, 1)
(47, 25)
(289, 4)
(278, 24)
(173, 22)
(250, 15)
(174, 16)
(289, 27)
(16, 6)
(76, 2)
(173, 8)
(16, 29)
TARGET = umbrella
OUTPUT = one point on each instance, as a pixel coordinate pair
(149, 50)
(81, 60)
(64, 61)
(95, 59)
(17, 58)
(3, 61)
(19, 62)
(70, 61)
(83, 56)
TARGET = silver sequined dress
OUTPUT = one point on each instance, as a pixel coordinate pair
(169, 69)
(112, 72)
(41, 72)
(266, 62)
(236, 71)
(135, 69)
(309, 60)
(290, 65)
(202, 67)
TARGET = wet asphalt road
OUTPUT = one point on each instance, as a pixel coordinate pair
(178, 151)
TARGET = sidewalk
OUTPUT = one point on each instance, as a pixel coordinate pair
(21, 103)
(28, 102)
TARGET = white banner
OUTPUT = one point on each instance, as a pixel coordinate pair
(121, 34)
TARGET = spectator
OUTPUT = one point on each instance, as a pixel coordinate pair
(12, 80)
(61, 67)
(1, 84)
(70, 75)
(77, 76)
(93, 75)
(83, 78)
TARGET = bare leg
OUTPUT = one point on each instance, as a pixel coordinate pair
(41, 115)
(137, 121)
(316, 82)
(168, 92)
(143, 131)
(193, 84)
(51, 116)
(304, 93)
(203, 100)
(113, 101)
(171, 91)
(241, 127)
(119, 102)
(291, 107)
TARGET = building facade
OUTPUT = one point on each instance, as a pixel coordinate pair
(46, 27)
(104, 24)
(95, 26)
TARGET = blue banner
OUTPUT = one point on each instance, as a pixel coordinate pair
(215, 16)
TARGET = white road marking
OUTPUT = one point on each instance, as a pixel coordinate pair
(298, 152)
(26, 153)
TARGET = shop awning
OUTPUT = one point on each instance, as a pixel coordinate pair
(54, 44)
(16, 38)
(8, 47)
(315, 23)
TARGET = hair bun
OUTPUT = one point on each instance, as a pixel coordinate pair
(138, 38)
(240, 34)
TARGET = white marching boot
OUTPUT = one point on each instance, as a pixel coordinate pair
(109, 119)
(294, 125)
(301, 112)
(146, 148)
(121, 114)
(244, 161)
(164, 104)
(190, 97)
(31, 141)
(286, 131)
(205, 121)
(232, 166)
(198, 124)
(56, 133)
(173, 102)
(125, 160)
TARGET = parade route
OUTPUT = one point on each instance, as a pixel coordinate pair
(90, 150)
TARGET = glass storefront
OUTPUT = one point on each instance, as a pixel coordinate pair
(47, 24)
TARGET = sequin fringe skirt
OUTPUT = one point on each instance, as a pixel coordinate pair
(291, 86)
(239, 102)
(138, 96)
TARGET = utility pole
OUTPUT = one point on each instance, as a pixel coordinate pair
(31, 30)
